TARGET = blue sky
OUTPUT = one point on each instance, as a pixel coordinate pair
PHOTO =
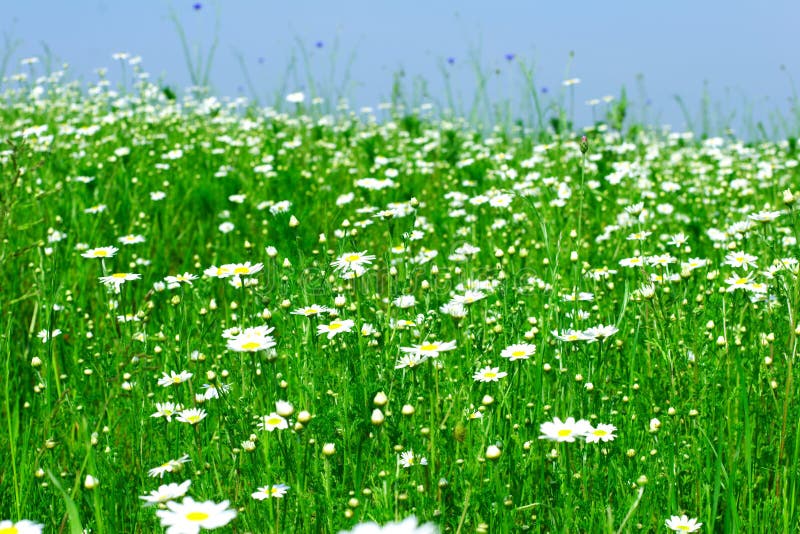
(741, 53)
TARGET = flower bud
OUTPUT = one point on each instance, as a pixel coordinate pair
(493, 452)
(377, 417)
(90, 482)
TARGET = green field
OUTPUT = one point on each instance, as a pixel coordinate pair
(364, 315)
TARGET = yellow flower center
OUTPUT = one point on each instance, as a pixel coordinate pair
(100, 253)
(273, 421)
(193, 418)
(490, 374)
(600, 432)
(518, 353)
(9, 530)
(241, 270)
(251, 345)
(119, 275)
(429, 347)
(176, 380)
(334, 326)
(684, 528)
(564, 432)
(196, 516)
(352, 257)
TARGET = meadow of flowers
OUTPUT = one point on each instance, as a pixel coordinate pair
(217, 315)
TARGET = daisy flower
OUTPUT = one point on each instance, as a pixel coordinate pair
(131, 239)
(601, 432)
(171, 466)
(601, 273)
(188, 517)
(764, 216)
(457, 310)
(582, 296)
(20, 527)
(408, 459)
(166, 492)
(218, 272)
(335, 327)
(678, 240)
(191, 416)
(174, 378)
(117, 279)
(683, 524)
(408, 525)
(296, 98)
(518, 351)
(571, 335)
(273, 421)
(564, 431)
(100, 252)
(661, 260)
(99, 208)
(639, 236)
(353, 262)
(275, 491)
(601, 331)
(212, 391)
(489, 374)
(411, 359)
(251, 341)
(401, 324)
(178, 279)
(314, 309)
(738, 282)
(242, 269)
(47, 335)
(430, 349)
(470, 296)
(741, 259)
(367, 329)
(636, 261)
(166, 410)
(405, 301)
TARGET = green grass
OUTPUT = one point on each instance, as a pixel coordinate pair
(712, 364)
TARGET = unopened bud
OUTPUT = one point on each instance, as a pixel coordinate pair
(493, 452)
(377, 417)
(380, 399)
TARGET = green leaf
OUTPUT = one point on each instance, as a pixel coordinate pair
(75, 526)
